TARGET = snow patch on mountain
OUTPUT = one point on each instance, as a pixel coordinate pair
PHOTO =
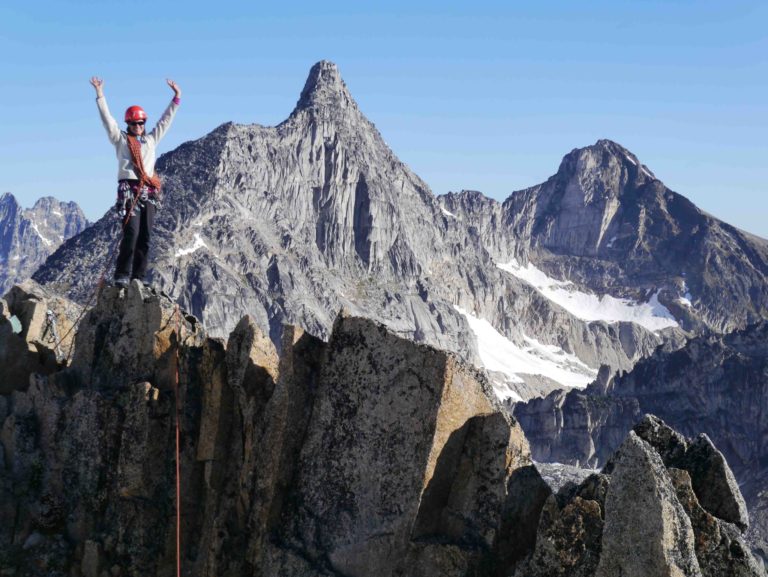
(647, 172)
(652, 315)
(532, 275)
(499, 354)
(45, 240)
(198, 244)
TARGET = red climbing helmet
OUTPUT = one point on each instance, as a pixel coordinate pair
(135, 113)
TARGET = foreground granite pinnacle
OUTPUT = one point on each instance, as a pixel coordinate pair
(368, 455)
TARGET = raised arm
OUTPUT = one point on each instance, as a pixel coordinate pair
(165, 120)
(110, 124)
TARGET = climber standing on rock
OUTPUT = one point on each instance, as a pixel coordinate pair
(138, 188)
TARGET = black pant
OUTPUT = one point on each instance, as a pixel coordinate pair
(134, 247)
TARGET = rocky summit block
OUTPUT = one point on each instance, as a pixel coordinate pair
(405, 447)
(367, 455)
(130, 336)
(86, 464)
(646, 529)
(711, 477)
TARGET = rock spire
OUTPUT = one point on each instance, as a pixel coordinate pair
(325, 88)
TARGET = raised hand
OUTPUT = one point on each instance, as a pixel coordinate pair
(98, 84)
(174, 87)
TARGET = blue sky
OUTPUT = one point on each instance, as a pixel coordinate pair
(487, 96)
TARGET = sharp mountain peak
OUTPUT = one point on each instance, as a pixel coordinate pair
(603, 152)
(8, 198)
(609, 145)
(324, 88)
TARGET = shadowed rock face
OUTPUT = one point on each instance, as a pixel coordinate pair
(29, 236)
(368, 455)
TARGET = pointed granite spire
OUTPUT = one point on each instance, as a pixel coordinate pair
(605, 170)
(325, 88)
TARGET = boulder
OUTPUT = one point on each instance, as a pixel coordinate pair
(389, 436)
(569, 539)
(647, 532)
(669, 444)
(713, 481)
(720, 548)
(569, 533)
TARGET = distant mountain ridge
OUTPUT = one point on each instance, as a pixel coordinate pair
(293, 223)
(606, 222)
(29, 236)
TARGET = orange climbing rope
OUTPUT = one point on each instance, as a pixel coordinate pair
(178, 451)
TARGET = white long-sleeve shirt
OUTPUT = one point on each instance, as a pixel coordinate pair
(148, 142)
